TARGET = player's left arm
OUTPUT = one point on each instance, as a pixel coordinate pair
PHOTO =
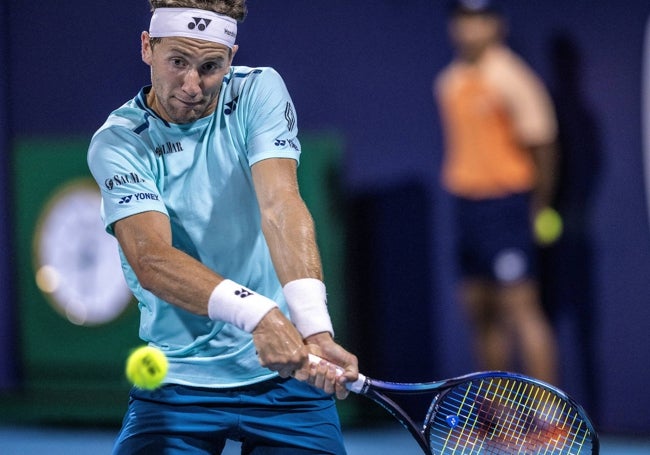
(290, 234)
(535, 123)
(545, 156)
(286, 222)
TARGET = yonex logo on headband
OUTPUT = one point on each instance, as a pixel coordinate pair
(193, 23)
(199, 23)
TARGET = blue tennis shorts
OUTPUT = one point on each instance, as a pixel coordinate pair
(495, 238)
(279, 416)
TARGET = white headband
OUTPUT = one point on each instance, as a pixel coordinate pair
(193, 23)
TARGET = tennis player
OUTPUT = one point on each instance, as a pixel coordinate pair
(500, 134)
(198, 181)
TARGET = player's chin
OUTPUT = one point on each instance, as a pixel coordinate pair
(188, 113)
(185, 119)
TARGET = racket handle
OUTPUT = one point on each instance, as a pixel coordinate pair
(356, 386)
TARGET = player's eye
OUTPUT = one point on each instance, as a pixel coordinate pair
(209, 67)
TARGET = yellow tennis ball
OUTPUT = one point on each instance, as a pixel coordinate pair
(146, 367)
(548, 226)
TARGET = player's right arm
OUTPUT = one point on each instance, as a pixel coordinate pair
(170, 274)
(177, 278)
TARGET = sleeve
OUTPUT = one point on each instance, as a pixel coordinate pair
(125, 175)
(531, 105)
(271, 119)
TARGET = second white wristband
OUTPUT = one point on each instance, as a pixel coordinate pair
(307, 301)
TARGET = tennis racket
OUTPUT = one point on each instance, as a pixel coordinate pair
(489, 413)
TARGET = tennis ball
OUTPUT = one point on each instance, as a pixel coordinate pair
(146, 367)
(548, 226)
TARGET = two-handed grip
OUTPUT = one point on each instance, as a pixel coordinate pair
(356, 386)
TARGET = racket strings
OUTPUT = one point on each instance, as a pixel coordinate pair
(503, 416)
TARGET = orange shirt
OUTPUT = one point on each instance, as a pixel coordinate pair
(491, 113)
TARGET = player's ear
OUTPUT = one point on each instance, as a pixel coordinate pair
(146, 48)
(233, 51)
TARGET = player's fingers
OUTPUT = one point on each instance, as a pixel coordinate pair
(329, 381)
(350, 375)
(341, 390)
(318, 372)
(302, 374)
(322, 375)
(345, 360)
(307, 372)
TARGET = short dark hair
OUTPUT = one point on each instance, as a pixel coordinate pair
(233, 8)
(474, 7)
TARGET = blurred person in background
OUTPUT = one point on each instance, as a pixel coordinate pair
(500, 133)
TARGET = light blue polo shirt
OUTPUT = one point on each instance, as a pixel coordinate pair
(199, 176)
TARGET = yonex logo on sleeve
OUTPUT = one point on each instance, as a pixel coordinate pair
(199, 23)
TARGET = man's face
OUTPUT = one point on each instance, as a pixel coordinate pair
(186, 76)
(472, 33)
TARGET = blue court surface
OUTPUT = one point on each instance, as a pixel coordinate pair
(377, 441)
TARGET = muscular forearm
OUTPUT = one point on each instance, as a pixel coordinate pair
(289, 233)
(180, 280)
(163, 270)
(286, 222)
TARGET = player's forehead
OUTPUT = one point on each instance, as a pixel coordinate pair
(476, 19)
(192, 47)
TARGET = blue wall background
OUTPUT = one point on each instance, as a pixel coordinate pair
(7, 341)
(363, 69)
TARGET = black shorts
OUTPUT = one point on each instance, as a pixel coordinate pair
(494, 238)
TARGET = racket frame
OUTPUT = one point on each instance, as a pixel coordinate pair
(376, 390)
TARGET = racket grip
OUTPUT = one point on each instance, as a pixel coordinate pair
(356, 386)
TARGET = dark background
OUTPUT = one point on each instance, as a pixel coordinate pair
(362, 70)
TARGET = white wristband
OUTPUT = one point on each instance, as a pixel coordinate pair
(307, 301)
(233, 303)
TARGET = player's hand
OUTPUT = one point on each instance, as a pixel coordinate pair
(279, 345)
(324, 374)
